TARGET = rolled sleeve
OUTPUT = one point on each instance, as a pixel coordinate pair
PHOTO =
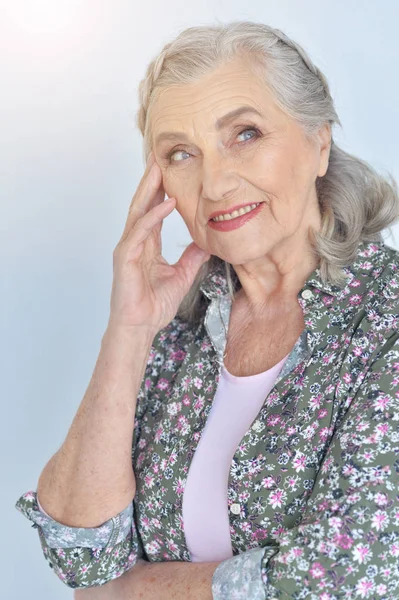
(85, 557)
(347, 544)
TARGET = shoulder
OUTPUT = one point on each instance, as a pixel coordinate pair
(374, 276)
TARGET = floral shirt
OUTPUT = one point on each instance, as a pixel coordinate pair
(313, 489)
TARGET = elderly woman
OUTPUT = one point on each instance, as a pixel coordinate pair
(258, 377)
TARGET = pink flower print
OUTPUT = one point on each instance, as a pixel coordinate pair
(179, 486)
(174, 408)
(152, 547)
(364, 587)
(178, 355)
(273, 420)
(299, 461)
(362, 426)
(149, 481)
(381, 499)
(158, 434)
(315, 401)
(368, 456)
(343, 541)
(183, 424)
(348, 470)
(394, 549)
(327, 300)
(197, 382)
(172, 458)
(328, 358)
(355, 283)
(277, 497)
(380, 520)
(171, 545)
(323, 433)
(355, 300)
(268, 482)
(199, 366)
(347, 378)
(186, 383)
(291, 483)
(243, 497)
(260, 534)
(199, 403)
(381, 589)
(383, 402)
(186, 400)
(336, 523)
(317, 570)
(361, 553)
(366, 265)
(323, 412)
(156, 523)
(326, 465)
(162, 384)
(145, 523)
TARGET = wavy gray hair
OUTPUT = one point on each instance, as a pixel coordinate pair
(356, 203)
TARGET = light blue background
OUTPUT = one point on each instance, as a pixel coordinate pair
(71, 160)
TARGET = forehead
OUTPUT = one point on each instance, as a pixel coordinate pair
(211, 97)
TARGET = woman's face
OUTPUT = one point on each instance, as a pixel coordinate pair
(248, 159)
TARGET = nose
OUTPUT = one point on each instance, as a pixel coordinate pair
(219, 183)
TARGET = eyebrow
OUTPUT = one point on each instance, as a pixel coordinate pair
(220, 124)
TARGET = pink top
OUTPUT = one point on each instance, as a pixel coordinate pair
(237, 402)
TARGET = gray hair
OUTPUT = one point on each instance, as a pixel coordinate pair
(356, 203)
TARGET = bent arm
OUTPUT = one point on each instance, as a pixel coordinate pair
(90, 478)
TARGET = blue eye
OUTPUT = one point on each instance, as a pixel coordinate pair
(245, 130)
(176, 150)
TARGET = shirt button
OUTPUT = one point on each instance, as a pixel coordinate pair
(307, 294)
(235, 509)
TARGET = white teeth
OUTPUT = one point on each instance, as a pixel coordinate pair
(236, 213)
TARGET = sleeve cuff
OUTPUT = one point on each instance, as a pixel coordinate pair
(57, 535)
(240, 577)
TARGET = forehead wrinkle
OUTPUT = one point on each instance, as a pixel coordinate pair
(219, 124)
(215, 84)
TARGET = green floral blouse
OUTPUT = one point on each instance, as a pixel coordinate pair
(313, 489)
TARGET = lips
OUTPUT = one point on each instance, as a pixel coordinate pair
(232, 209)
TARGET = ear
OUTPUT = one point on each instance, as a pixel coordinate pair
(324, 138)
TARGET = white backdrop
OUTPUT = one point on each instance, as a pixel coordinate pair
(70, 161)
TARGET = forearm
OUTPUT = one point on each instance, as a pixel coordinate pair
(152, 581)
(169, 581)
(90, 478)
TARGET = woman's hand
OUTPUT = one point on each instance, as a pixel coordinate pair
(147, 290)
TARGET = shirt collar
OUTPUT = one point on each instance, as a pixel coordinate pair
(215, 282)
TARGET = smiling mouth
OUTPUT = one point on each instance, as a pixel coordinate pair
(235, 213)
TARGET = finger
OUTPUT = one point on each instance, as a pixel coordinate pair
(149, 192)
(189, 264)
(147, 223)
